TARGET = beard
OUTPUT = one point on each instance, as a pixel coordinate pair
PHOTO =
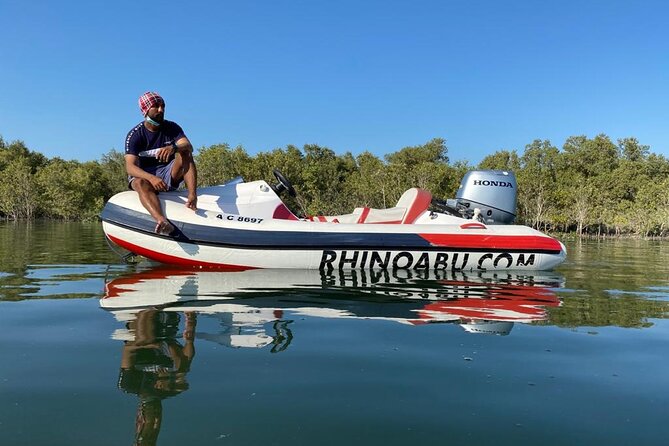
(155, 120)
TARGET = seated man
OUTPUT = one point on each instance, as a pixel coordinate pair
(158, 157)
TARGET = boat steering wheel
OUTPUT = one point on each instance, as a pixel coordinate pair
(283, 184)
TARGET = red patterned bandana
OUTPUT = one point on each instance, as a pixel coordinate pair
(148, 100)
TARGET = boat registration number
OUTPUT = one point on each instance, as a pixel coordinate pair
(240, 218)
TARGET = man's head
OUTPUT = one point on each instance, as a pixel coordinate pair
(152, 106)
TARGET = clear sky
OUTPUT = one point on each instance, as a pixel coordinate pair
(349, 75)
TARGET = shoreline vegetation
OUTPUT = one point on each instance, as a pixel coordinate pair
(591, 187)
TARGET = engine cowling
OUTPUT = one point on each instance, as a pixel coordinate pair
(493, 192)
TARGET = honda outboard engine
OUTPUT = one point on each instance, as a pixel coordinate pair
(492, 192)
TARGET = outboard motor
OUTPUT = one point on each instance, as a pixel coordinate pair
(492, 192)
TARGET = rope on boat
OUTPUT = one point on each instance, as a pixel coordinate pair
(125, 255)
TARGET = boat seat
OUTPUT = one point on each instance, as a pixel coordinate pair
(371, 215)
(364, 215)
(411, 204)
(415, 201)
(323, 219)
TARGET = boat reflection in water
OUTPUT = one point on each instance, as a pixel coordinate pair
(160, 308)
(249, 304)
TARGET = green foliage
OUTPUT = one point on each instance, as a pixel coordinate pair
(537, 179)
(366, 186)
(71, 190)
(502, 160)
(590, 185)
(219, 163)
(114, 174)
(423, 166)
(18, 195)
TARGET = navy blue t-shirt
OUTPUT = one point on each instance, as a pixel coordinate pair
(141, 140)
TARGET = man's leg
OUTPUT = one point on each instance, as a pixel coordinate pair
(149, 199)
(184, 169)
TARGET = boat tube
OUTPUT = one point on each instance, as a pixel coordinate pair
(246, 225)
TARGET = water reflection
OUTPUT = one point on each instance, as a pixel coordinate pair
(163, 309)
(255, 308)
(47, 258)
(370, 341)
(154, 365)
(258, 309)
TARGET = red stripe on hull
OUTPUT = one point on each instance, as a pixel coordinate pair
(172, 260)
(484, 241)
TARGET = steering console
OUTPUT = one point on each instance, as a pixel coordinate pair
(283, 184)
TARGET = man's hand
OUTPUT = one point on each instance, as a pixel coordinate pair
(191, 203)
(164, 153)
(158, 184)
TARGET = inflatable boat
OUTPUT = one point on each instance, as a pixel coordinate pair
(246, 225)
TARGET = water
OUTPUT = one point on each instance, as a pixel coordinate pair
(98, 352)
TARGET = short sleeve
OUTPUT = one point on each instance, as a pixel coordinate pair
(178, 132)
(133, 142)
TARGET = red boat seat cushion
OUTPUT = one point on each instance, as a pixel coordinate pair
(415, 201)
(283, 213)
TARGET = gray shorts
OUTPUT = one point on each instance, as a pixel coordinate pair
(162, 172)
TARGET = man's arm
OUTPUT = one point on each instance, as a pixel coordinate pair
(184, 145)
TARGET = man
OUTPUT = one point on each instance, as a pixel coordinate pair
(158, 157)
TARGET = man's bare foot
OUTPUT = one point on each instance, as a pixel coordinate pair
(164, 227)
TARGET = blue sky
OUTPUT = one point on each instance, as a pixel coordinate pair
(348, 75)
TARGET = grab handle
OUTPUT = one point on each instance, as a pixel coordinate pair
(473, 226)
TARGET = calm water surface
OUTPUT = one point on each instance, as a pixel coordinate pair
(98, 352)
